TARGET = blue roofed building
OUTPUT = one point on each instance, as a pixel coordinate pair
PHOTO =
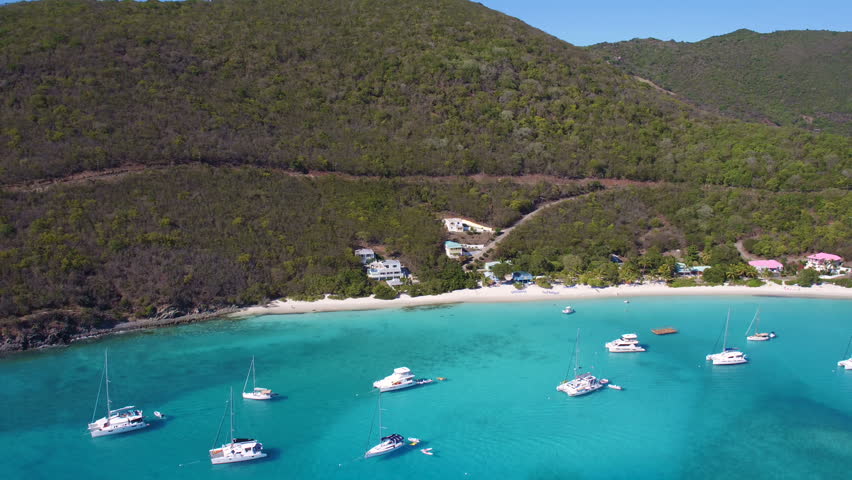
(522, 277)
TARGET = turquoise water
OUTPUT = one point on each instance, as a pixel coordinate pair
(787, 414)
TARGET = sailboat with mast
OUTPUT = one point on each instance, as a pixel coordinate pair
(388, 443)
(125, 419)
(758, 336)
(580, 384)
(728, 355)
(240, 449)
(257, 393)
(846, 364)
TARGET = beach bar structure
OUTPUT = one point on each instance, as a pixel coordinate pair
(773, 266)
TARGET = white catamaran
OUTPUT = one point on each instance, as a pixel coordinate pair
(728, 355)
(580, 384)
(125, 419)
(386, 444)
(257, 393)
(240, 449)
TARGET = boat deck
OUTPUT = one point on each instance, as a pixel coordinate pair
(664, 330)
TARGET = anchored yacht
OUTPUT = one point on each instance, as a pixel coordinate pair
(240, 449)
(257, 393)
(580, 384)
(845, 363)
(388, 443)
(399, 379)
(759, 336)
(125, 419)
(628, 342)
(728, 355)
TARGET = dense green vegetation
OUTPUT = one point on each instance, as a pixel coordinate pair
(366, 87)
(703, 223)
(798, 78)
(200, 236)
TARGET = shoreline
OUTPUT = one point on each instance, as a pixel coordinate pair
(533, 293)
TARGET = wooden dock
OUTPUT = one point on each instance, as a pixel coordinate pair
(664, 330)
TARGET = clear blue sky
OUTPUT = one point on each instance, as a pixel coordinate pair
(586, 22)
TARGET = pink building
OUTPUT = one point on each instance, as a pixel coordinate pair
(770, 265)
(824, 262)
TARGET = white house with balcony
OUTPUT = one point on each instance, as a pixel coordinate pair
(385, 270)
(463, 225)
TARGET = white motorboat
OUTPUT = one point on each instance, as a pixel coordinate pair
(388, 443)
(758, 336)
(568, 309)
(257, 393)
(580, 384)
(125, 419)
(399, 379)
(629, 342)
(728, 355)
(240, 449)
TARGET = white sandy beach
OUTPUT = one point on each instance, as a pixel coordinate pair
(508, 293)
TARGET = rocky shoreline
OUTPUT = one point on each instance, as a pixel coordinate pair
(61, 328)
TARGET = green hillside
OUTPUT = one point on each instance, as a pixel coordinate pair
(389, 88)
(794, 78)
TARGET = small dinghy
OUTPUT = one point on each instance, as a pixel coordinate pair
(568, 310)
(413, 441)
(423, 381)
(159, 415)
(426, 451)
(614, 387)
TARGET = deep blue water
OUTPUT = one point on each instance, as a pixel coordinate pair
(786, 414)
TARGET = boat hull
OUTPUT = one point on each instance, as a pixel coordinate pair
(236, 459)
(390, 388)
(382, 449)
(117, 430)
(256, 396)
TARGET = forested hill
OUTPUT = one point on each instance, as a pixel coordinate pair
(394, 87)
(798, 78)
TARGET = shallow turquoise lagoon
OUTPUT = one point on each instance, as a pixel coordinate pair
(786, 414)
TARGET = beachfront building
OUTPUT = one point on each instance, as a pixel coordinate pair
(462, 225)
(771, 266)
(366, 255)
(522, 277)
(454, 249)
(826, 263)
(682, 269)
(385, 270)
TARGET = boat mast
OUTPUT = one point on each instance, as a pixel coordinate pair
(725, 340)
(577, 353)
(106, 376)
(251, 367)
(253, 378)
(380, 416)
(232, 414)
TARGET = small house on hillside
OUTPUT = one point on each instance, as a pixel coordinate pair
(824, 262)
(453, 249)
(773, 266)
(366, 255)
(522, 277)
(462, 225)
